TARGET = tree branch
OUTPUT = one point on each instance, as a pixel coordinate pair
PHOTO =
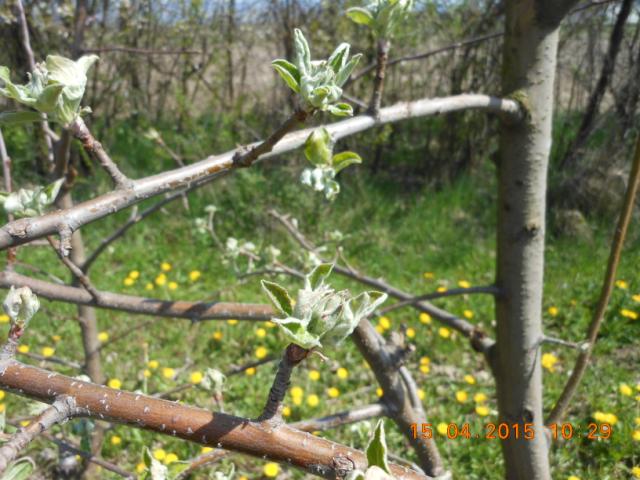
(488, 289)
(27, 229)
(75, 270)
(605, 294)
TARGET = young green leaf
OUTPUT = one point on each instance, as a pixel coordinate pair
(342, 160)
(278, 296)
(289, 73)
(341, 110)
(296, 331)
(19, 470)
(343, 75)
(318, 147)
(339, 57)
(377, 449)
(318, 275)
(361, 16)
(303, 54)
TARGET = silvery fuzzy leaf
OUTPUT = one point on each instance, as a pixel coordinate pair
(343, 75)
(232, 246)
(331, 190)
(73, 75)
(289, 73)
(279, 297)
(377, 473)
(303, 55)
(21, 469)
(213, 381)
(152, 134)
(355, 475)
(225, 476)
(296, 331)
(273, 253)
(31, 202)
(20, 304)
(354, 311)
(249, 246)
(318, 275)
(377, 449)
(338, 58)
(319, 147)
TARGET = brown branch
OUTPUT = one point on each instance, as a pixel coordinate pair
(61, 409)
(605, 294)
(141, 51)
(75, 270)
(80, 131)
(195, 311)
(281, 444)
(489, 289)
(382, 58)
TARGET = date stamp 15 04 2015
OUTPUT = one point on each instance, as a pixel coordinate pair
(516, 431)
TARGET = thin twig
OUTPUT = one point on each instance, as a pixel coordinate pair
(605, 294)
(141, 51)
(75, 270)
(489, 289)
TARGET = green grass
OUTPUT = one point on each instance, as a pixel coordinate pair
(391, 232)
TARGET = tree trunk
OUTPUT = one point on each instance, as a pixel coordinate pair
(529, 64)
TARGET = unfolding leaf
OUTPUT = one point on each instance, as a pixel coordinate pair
(343, 75)
(296, 331)
(318, 147)
(344, 159)
(341, 110)
(289, 73)
(318, 275)
(377, 448)
(278, 296)
(361, 16)
(303, 54)
(19, 470)
(339, 57)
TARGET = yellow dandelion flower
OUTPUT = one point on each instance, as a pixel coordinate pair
(116, 440)
(442, 428)
(464, 284)
(217, 335)
(23, 348)
(271, 470)
(261, 352)
(165, 266)
(56, 338)
(479, 397)
(553, 311)
(441, 289)
(286, 411)
(153, 364)
(170, 458)
(468, 314)
(611, 418)
(444, 332)
(128, 281)
(599, 416)
(379, 392)
(161, 280)
(313, 400)
(384, 322)
(635, 471)
(314, 375)
(425, 318)
(47, 352)
(333, 392)
(206, 450)
(635, 298)
(146, 373)
(549, 361)
(135, 274)
(261, 332)
(4, 318)
(411, 333)
(140, 467)
(637, 419)
(470, 379)
(232, 321)
(626, 390)
(379, 329)
(2, 395)
(270, 324)
(25, 423)
(159, 454)
(172, 286)
(573, 477)
(482, 410)
(148, 286)
(194, 275)
(636, 435)
(250, 371)
(425, 360)
(622, 284)
(168, 373)
(462, 396)
(421, 394)
(296, 392)
(114, 383)
(297, 401)
(103, 336)
(425, 368)
(3, 407)
(196, 377)
(428, 275)
(625, 312)
(342, 373)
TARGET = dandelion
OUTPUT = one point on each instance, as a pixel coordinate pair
(161, 280)
(637, 419)
(168, 373)
(479, 397)
(421, 394)
(411, 333)
(470, 379)
(573, 477)
(333, 392)
(625, 390)
(553, 311)
(425, 360)
(461, 396)
(270, 324)
(172, 285)
(153, 364)
(549, 361)
(636, 435)
(271, 470)
(441, 289)
(442, 428)
(444, 332)
(379, 392)
(23, 348)
(135, 274)
(148, 286)
(146, 373)
(140, 467)
(116, 440)
(468, 314)
(196, 377)
(261, 352)
(103, 337)
(622, 285)
(114, 383)
(314, 375)
(425, 369)
(313, 400)
(428, 275)
(384, 322)
(159, 454)
(629, 314)
(217, 335)
(2, 394)
(128, 281)
(25, 423)
(194, 275)
(286, 411)
(482, 410)
(56, 338)
(296, 392)
(165, 266)
(635, 298)
(635, 471)
(250, 371)
(261, 332)
(3, 407)
(342, 373)
(425, 318)
(603, 417)
(47, 352)
(464, 284)
(379, 329)
(206, 449)
(4, 318)
(170, 458)
(232, 321)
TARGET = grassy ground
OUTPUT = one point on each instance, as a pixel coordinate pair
(419, 240)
